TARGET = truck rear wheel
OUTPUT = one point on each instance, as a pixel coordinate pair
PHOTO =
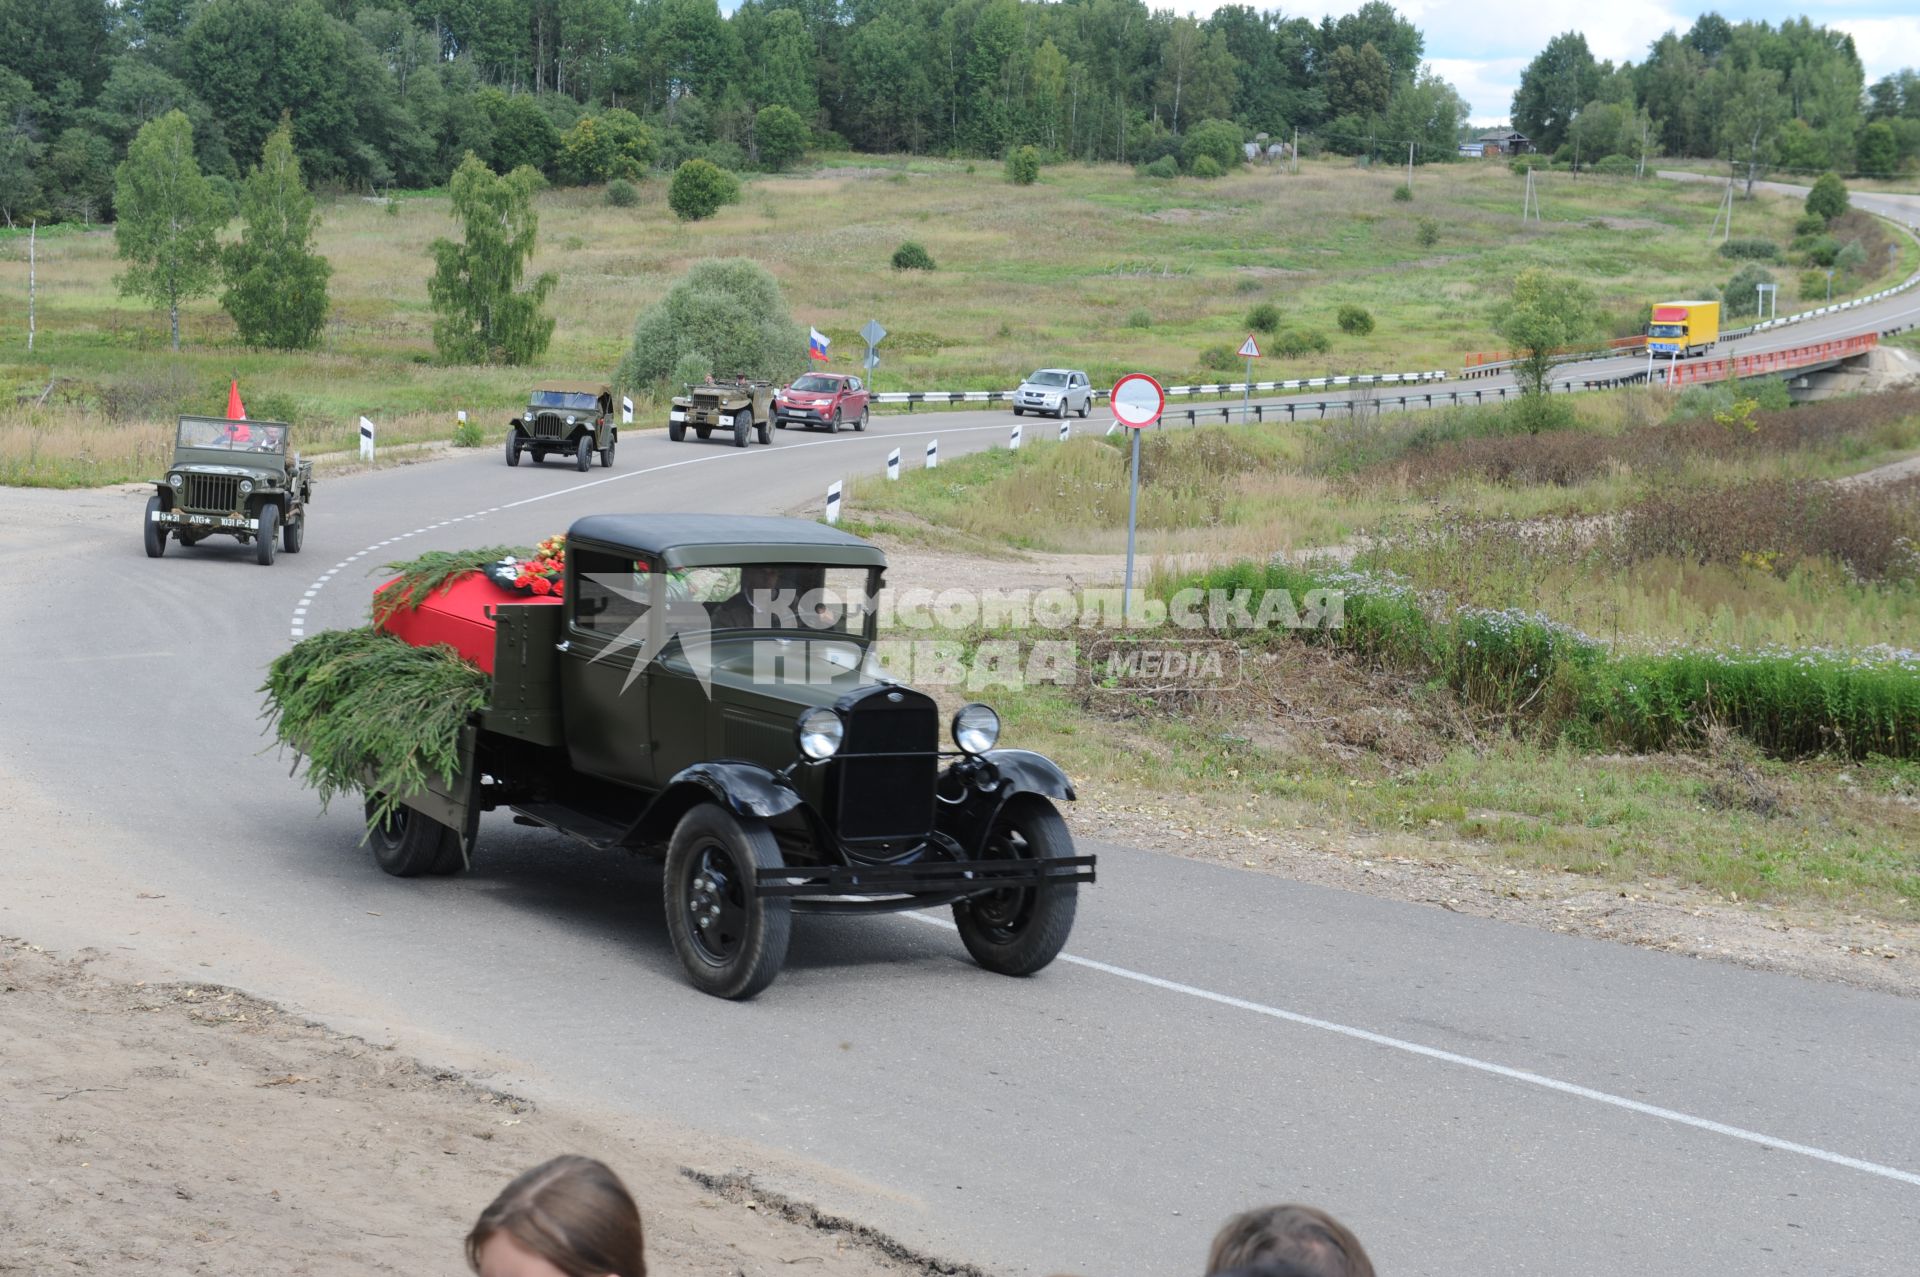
(407, 844)
(1018, 930)
(154, 534)
(731, 941)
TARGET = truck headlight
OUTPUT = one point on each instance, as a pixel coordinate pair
(176, 481)
(246, 486)
(976, 728)
(819, 732)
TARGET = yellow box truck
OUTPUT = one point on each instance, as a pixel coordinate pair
(1681, 330)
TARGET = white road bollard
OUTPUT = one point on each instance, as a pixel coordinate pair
(833, 502)
(366, 439)
(626, 410)
(893, 464)
(933, 453)
(1013, 440)
(1112, 426)
(1065, 431)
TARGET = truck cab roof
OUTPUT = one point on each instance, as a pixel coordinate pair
(699, 540)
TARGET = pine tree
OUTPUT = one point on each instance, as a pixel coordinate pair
(168, 216)
(276, 284)
(482, 313)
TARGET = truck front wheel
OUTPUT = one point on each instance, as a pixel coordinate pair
(407, 844)
(1018, 930)
(731, 941)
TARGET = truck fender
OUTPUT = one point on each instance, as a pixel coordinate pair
(744, 789)
(973, 791)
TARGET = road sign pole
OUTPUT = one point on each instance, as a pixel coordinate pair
(1246, 394)
(1133, 512)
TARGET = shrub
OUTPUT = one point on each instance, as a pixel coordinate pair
(690, 369)
(1355, 321)
(727, 311)
(1023, 166)
(1217, 140)
(1292, 343)
(699, 189)
(621, 193)
(1851, 256)
(1741, 298)
(1204, 166)
(1428, 233)
(1812, 286)
(1808, 224)
(597, 148)
(1615, 166)
(1264, 318)
(1522, 164)
(1821, 250)
(1403, 194)
(912, 256)
(780, 136)
(1139, 319)
(469, 434)
(1828, 198)
(1164, 167)
(1219, 358)
(1754, 250)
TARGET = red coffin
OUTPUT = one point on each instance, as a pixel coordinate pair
(457, 617)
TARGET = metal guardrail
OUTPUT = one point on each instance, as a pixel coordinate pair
(914, 397)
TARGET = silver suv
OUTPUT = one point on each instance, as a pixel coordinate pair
(1054, 391)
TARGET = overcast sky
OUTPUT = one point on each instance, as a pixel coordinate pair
(1483, 46)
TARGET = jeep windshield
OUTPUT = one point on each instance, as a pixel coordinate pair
(570, 400)
(817, 385)
(1047, 378)
(231, 436)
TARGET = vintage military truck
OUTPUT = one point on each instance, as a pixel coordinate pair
(565, 418)
(739, 407)
(705, 688)
(232, 478)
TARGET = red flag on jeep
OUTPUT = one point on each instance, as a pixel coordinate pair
(236, 411)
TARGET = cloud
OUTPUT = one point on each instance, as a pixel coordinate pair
(1486, 83)
(1885, 44)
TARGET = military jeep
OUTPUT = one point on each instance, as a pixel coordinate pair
(704, 688)
(738, 407)
(231, 478)
(565, 418)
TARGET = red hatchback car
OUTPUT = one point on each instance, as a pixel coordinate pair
(827, 399)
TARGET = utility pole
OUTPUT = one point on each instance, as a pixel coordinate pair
(1530, 202)
(1409, 166)
(1645, 130)
(33, 233)
(1723, 216)
(1296, 148)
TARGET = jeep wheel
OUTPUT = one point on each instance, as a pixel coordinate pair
(407, 844)
(731, 941)
(742, 427)
(861, 424)
(267, 540)
(583, 452)
(1018, 930)
(676, 430)
(293, 532)
(154, 534)
(513, 447)
(606, 455)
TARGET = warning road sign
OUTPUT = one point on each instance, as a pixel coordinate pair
(1248, 350)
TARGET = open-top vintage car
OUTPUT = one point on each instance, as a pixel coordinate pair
(572, 419)
(231, 477)
(738, 407)
(704, 687)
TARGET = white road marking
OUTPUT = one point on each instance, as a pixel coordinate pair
(1469, 1062)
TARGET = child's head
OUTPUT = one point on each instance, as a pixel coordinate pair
(570, 1217)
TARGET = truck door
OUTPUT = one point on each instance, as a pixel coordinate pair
(603, 674)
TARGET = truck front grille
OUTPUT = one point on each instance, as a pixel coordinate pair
(212, 493)
(889, 796)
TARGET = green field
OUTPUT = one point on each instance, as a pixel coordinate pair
(1092, 267)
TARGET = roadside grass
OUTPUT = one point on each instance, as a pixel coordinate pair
(1052, 273)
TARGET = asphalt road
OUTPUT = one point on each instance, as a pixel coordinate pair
(1471, 1096)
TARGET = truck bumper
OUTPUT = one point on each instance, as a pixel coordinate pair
(881, 888)
(212, 522)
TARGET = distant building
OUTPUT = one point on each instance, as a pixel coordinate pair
(1497, 142)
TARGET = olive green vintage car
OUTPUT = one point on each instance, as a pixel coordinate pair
(572, 419)
(705, 689)
(738, 408)
(231, 478)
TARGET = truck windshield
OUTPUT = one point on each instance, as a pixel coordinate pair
(1669, 330)
(783, 596)
(231, 436)
(573, 400)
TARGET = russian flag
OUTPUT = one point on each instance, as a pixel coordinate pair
(817, 344)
